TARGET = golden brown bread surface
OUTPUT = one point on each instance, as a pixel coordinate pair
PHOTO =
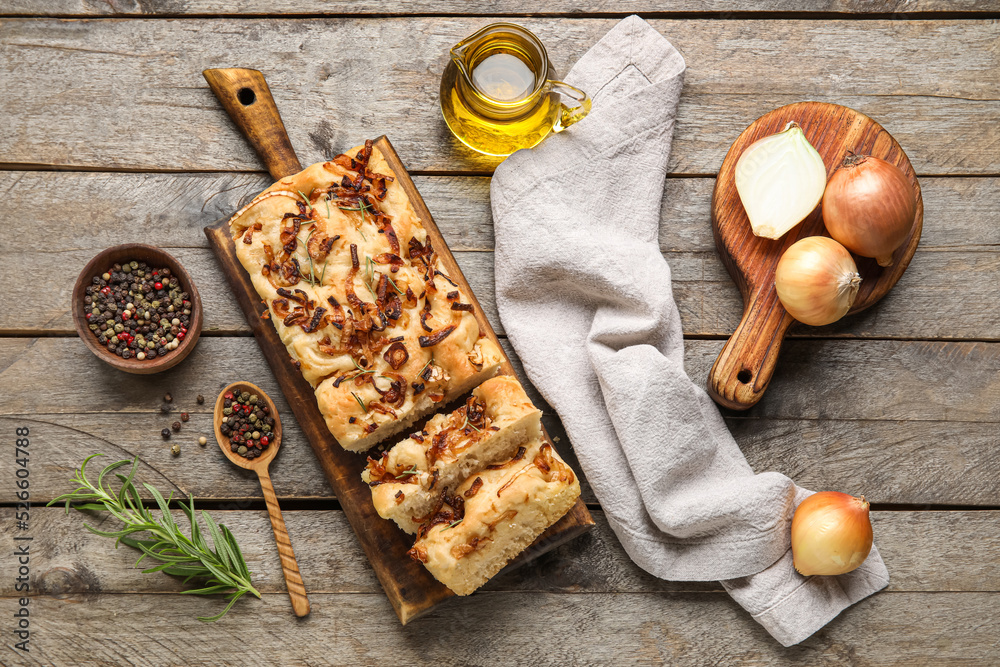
(409, 480)
(494, 515)
(356, 291)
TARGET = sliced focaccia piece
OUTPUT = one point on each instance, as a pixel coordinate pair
(409, 480)
(494, 515)
(360, 297)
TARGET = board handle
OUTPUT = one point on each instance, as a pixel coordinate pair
(247, 100)
(744, 368)
(289, 566)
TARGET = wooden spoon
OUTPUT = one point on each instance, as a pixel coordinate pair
(293, 580)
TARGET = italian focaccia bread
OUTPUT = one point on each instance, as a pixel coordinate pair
(492, 516)
(409, 481)
(357, 293)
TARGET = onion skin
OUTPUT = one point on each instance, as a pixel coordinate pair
(869, 206)
(817, 280)
(831, 534)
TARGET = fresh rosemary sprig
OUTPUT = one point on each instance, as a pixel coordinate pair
(412, 470)
(360, 402)
(362, 207)
(468, 423)
(361, 371)
(370, 276)
(308, 203)
(391, 282)
(312, 268)
(223, 571)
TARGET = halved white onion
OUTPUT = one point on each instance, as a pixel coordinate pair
(780, 180)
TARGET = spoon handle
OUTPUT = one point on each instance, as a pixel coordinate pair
(293, 580)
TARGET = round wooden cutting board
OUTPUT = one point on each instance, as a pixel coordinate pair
(744, 367)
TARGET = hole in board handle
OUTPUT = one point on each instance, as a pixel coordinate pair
(246, 96)
(744, 376)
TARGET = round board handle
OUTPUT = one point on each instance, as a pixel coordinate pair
(743, 369)
(247, 99)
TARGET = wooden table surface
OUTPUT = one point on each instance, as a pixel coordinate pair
(109, 134)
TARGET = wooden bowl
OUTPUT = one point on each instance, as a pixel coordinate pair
(154, 257)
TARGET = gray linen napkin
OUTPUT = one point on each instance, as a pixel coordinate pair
(585, 296)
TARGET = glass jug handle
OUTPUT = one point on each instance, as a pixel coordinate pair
(570, 114)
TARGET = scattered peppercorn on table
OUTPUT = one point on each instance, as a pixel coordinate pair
(125, 143)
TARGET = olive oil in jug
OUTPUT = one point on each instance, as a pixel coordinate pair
(497, 95)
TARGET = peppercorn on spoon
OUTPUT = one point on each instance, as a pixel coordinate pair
(293, 580)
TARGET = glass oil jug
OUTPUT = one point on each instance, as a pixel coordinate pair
(497, 95)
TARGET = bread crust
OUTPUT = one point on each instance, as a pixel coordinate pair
(349, 278)
(409, 481)
(494, 515)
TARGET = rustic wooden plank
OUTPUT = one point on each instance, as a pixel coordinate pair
(955, 257)
(720, 8)
(102, 107)
(505, 629)
(925, 551)
(169, 209)
(902, 422)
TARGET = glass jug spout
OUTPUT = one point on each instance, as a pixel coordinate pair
(459, 56)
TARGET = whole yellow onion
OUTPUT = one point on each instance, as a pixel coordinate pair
(831, 533)
(817, 280)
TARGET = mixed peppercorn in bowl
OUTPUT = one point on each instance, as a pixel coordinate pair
(137, 309)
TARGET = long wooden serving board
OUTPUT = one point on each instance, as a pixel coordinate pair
(410, 587)
(744, 368)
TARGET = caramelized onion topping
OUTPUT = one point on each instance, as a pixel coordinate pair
(248, 236)
(289, 273)
(297, 316)
(280, 307)
(418, 553)
(389, 258)
(449, 510)
(425, 313)
(319, 245)
(393, 307)
(396, 355)
(298, 296)
(474, 489)
(326, 347)
(445, 276)
(517, 457)
(460, 551)
(436, 337)
(417, 250)
(336, 312)
(289, 234)
(316, 320)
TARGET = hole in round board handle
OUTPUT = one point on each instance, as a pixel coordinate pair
(246, 96)
(744, 376)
